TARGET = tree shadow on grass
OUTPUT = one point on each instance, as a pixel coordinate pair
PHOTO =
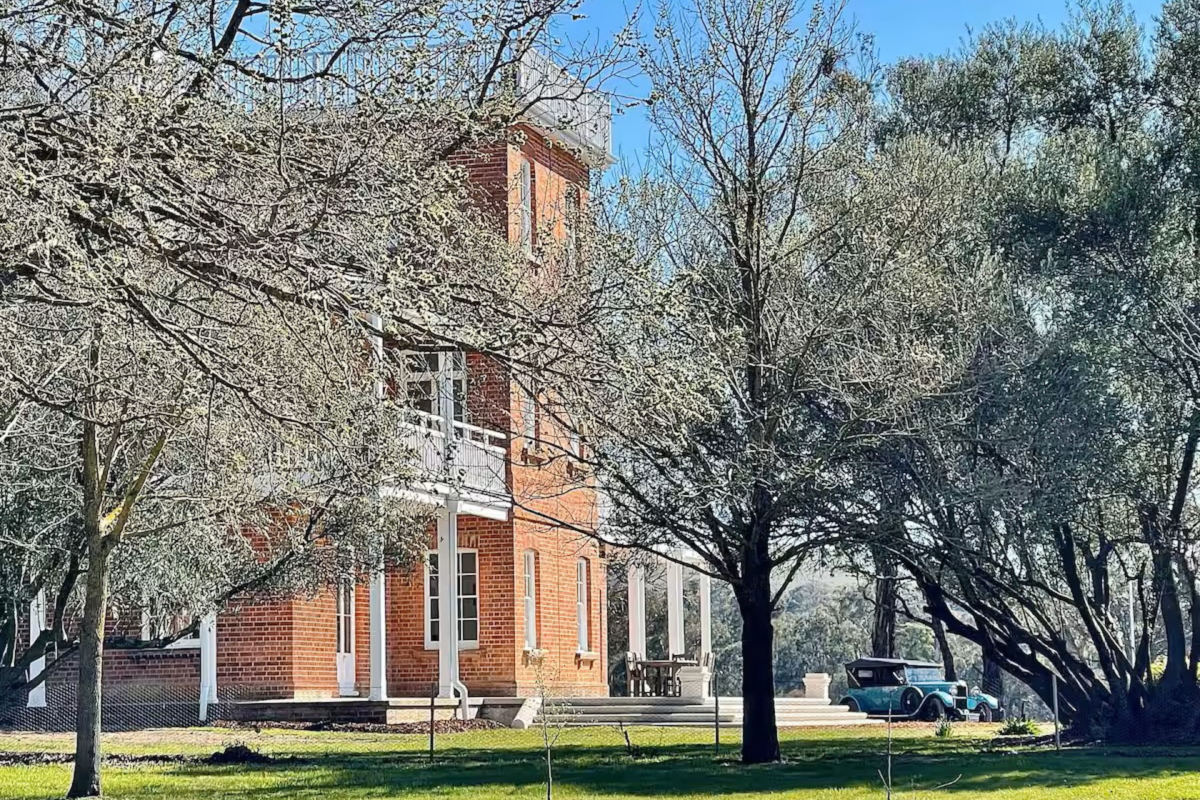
(666, 775)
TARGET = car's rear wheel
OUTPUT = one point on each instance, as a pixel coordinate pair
(910, 701)
(934, 710)
(851, 705)
(985, 713)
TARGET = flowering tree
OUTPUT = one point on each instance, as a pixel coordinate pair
(207, 211)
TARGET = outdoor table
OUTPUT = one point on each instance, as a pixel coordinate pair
(660, 675)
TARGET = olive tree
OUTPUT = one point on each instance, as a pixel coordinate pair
(1051, 515)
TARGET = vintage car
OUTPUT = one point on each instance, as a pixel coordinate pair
(913, 689)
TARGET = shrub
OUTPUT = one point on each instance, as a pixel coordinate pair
(944, 729)
(1019, 727)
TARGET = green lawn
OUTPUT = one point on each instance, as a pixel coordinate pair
(821, 764)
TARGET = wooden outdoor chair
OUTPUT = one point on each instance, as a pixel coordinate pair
(635, 674)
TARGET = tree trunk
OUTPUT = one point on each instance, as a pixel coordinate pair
(939, 634)
(993, 678)
(760, 737)
(86, 780)
(883, 630)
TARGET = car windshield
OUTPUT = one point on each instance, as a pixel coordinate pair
(925, 675)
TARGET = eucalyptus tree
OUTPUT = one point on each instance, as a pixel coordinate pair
(1053, 520)
(205, 211)
(779, 298)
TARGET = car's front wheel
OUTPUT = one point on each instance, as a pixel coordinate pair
(934, 710)
(985, 713)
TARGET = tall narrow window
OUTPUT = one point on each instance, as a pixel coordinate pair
(525, 209)
(530, 600)
(571, 224)
(574, 441)
(529, 415)
(468, 599)
(581, 603)
(345, 618)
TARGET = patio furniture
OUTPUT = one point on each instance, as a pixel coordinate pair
(635, 675)
(662, 677)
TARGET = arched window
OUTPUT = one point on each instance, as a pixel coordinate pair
(530, 599)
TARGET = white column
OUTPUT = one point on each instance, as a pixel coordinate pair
(377, 598)
(37, 623)
(446, 407)
(208, 664)
(705, 615)
(674, 609)
(447, 525)
(637, 610)
(377, 613)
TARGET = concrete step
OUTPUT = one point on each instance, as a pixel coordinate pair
(669, 722)
(790, 712)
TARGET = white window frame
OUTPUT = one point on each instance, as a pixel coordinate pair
(186, 643)
(432, 602)
(529, 415)
(457, 368)
(574, 440)
(343, 614)
(525, 206)
(529, 560)
(581, 605)
(574, 211)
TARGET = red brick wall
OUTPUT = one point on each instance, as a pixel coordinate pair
(255, 651)
(285, 648)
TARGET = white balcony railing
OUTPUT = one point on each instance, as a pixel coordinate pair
(473, 460)
(559, 103)
(565, 105)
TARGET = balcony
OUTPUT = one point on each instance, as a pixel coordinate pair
(564, 107)
(558, 103)
(471, 464)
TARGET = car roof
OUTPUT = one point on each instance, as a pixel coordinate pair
(889, 662)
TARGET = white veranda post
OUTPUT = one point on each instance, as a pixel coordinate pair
(37, 622)
(447, 541)
(447, 574)
(637, 610)
(675, 643)
(378, 623)
(208, 664)
(377, 606)
(705, 615)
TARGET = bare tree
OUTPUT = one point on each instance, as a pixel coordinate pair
(771, 309)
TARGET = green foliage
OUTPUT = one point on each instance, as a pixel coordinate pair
(1019, 727)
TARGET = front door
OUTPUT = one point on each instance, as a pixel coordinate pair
(345, 638)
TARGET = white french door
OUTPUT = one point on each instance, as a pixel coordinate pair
(347, 679)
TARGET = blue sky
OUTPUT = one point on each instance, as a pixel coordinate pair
(900, 27)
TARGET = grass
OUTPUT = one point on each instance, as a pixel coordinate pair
(820, 764)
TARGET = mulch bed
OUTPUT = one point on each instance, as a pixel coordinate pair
(22, 759)
(439, 726)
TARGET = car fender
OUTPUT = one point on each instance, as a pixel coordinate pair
(987, 698)
(944, 698)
